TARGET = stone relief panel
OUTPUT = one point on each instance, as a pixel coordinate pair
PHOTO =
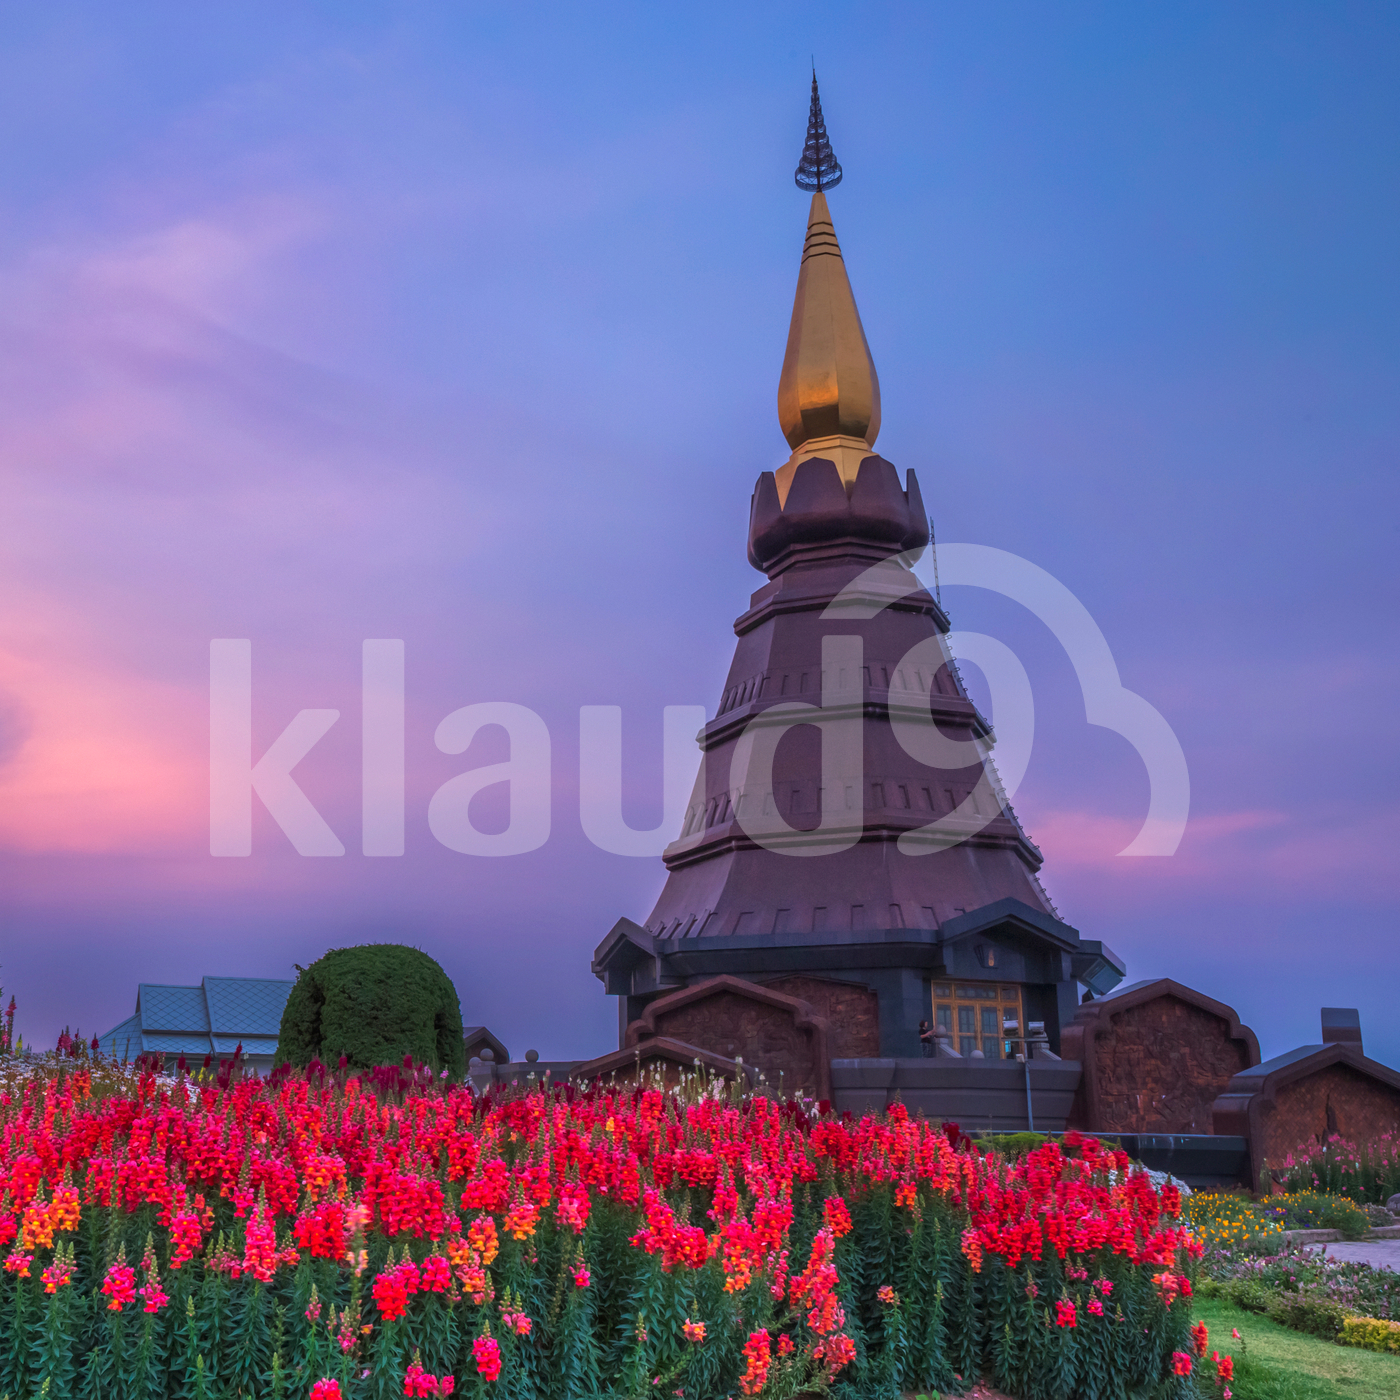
(764, 1036)
(851, 1013)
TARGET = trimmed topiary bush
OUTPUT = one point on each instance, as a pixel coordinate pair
(373, 1004)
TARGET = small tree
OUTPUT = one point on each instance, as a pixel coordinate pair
(373, 1004)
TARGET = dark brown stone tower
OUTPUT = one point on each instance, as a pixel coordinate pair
(848, 844)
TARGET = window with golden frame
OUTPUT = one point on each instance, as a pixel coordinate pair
(983, 1016)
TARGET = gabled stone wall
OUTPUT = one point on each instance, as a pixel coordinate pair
(776, 1035)
(1155, 1059)
(1336, 1099)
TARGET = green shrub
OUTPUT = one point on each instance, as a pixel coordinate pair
(1346, 1216)
(1372, 1333)
(373, 1004)
(1316, 1210)
(1303, 1312)
(1252, 1297)
(1308, 1314)
(1012, 1144)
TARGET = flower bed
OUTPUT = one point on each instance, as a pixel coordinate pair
(1368, 1173)
(1315, 1210)
(191, 1240)
(1227, 1223)
(1251, 1264)
(1293, 1280)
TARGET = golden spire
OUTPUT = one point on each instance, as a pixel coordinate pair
(829, 393)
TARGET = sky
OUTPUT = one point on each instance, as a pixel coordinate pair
(462, 324)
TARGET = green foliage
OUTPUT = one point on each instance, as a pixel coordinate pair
(374, 1004)
(1315, 1316)
(1321, 1210)
(1012, 1144)
(1344, 1215)
(1373, 1333)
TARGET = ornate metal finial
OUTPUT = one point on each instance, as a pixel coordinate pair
(818, 169)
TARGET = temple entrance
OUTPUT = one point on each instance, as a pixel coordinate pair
(983, 1016)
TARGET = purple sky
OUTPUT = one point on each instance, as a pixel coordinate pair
(463, 325)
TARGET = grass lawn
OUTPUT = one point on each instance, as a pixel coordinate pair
(1278, 1364)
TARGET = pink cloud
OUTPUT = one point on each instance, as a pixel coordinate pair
(1234, 851)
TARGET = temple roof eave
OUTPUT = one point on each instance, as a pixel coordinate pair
(625, 951)
(730, 838)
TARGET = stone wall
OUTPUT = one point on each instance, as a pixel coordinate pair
(1337, 1099)
(981, 1096)
(851, 1013)
(766, 1037)
(1157, 1064)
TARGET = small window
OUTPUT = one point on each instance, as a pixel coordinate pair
(943, 1018)
(967, 1044)
(991, 1047)
(967, 1020)
(989, 1020)
(942, 989)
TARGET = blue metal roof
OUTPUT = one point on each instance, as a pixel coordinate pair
(246, 1005)
(155, 1043)
(171, 1008)
(252, 1044)
(212, 1018)
(123, 1041)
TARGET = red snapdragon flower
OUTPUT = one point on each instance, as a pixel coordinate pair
(487, 1351)
(758, 1355)
(119, 1285)
(838, 1216)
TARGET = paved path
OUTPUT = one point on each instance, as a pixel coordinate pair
(1379, 1254)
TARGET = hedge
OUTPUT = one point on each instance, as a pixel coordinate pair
(374, 1004)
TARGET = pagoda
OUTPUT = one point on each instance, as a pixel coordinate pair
(848, 859)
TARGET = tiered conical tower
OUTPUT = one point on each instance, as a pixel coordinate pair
(847, 843)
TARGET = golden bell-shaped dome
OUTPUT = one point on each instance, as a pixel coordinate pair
(829, 393)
